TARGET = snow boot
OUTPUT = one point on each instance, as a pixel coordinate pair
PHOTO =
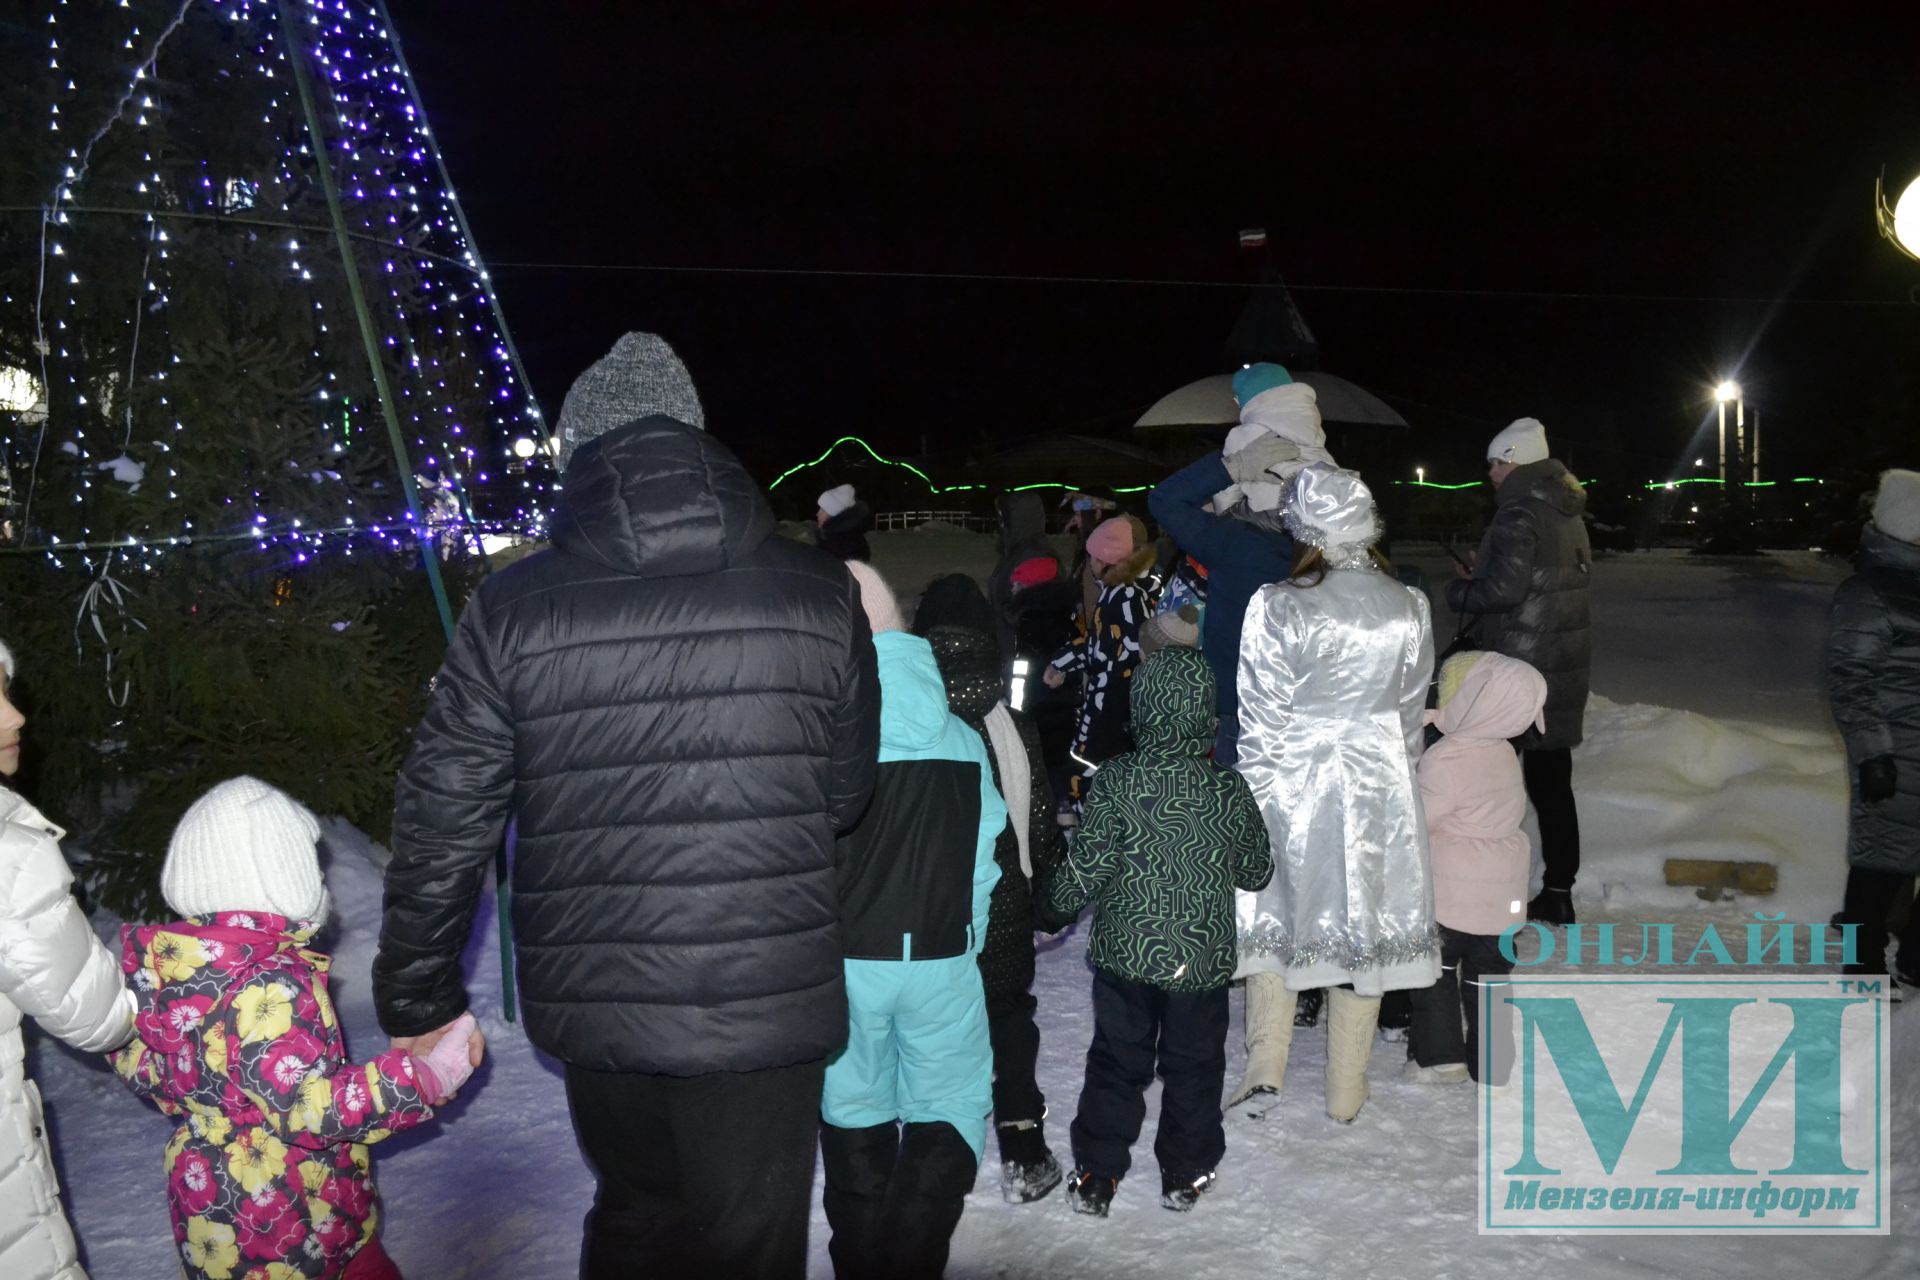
(1553, 907)
(1181, 1194)
(1270, 1023)
(1091, 1193)
(1307, 1011)
(1350, 1027)
(1028, 1170)
(1439, 1073)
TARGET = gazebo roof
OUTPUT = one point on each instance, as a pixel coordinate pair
(1209, 403)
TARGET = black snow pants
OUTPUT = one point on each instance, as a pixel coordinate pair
(1137, 1027)
(1467, 961)
(893, 1197)
(1549, 779)
(1873, 899)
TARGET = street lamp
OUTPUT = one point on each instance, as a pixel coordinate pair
(1900, 224)
(1730, 390)
(1419, 475)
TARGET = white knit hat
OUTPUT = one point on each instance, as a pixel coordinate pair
(1896, 507)
(6, 659)
(837, 499)
(877, 598)
(246, 846)
(1523, 441)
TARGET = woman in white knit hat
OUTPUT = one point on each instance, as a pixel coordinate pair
(53, 969)
(841, 524)
(1334, 666)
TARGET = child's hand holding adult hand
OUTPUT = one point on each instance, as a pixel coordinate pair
(451, 1060)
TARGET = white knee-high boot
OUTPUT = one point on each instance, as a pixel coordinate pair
(1270, 1009)
(1351, 1021)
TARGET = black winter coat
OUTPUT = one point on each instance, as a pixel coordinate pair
(1873, 680)
(678, 711)
(1528, 597)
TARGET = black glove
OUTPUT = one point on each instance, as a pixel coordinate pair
(1877, 779)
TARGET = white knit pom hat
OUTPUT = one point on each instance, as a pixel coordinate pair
(6, 659)
(837, 499)
(1896, 506)
(246, 846)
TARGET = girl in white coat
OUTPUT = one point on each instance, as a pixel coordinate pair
(54, 969)
(1334, 666)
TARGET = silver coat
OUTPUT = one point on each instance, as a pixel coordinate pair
(1333, 681)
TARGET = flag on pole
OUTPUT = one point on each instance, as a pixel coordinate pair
(1253, 238)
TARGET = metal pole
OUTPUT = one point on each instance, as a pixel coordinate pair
(1722, 405)
(289, 30)
(295, 55)
(1756, 444)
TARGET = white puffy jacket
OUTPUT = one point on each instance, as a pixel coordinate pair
(54, 968)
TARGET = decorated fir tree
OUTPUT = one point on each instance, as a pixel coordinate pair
(211, 561)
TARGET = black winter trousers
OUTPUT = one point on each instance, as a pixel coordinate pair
(1549, 779)
(1016, 1051)
(1467, 960)
(706, 1175)
(1137, 1027)
(1872, 900)
(893, 1197)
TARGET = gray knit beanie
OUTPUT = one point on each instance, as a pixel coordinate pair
(639, 377)
(246, 846)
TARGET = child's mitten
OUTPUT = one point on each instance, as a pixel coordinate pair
(441, 1070)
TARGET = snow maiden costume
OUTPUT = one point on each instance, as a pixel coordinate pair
(1333, 683)
(55, 971)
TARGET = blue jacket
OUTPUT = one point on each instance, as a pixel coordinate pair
(1239, 557)
(916, 881)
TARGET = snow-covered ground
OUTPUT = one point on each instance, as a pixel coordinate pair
(1707, 736)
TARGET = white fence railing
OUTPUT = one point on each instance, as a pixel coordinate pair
(888, 521)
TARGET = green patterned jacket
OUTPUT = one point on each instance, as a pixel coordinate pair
(1164, 840)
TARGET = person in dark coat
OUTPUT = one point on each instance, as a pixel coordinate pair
(956, 620)
(1527, 597)
(1243, 552)
(841, 525)
(1873, 681)
(678, 711)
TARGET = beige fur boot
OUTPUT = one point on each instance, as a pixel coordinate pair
(1269, 1034)
(1351, 1022)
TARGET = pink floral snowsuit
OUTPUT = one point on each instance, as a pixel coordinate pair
(268, 1176)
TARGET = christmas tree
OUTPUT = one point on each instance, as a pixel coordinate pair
(245, 484)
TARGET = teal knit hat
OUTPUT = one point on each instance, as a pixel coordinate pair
(1255, 378)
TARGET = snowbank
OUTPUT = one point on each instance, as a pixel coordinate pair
(1654, 783)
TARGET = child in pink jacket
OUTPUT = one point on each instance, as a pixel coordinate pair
(268, 1174)
(1474, 798)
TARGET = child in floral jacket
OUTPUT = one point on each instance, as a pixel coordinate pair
(268, 1175)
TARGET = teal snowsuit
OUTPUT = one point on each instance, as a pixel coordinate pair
(917, 1048)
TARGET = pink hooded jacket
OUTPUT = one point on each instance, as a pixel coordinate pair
(1475, 798)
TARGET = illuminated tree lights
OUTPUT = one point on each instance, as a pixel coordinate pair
(118, 297)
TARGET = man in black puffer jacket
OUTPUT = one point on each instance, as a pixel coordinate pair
(1527, 598)
(678, 711)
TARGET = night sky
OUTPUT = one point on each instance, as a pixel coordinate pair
(1687, 191)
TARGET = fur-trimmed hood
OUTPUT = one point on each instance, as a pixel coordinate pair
(1131, 569)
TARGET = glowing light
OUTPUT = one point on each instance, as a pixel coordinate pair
(523, 448)
(1726, 391)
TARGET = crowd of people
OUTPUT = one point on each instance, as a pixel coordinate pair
(782, 840)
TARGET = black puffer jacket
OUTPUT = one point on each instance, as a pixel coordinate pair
(1873, 679)
(678, 711)
(845, 535)
(1528, 597)
(970, 668)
